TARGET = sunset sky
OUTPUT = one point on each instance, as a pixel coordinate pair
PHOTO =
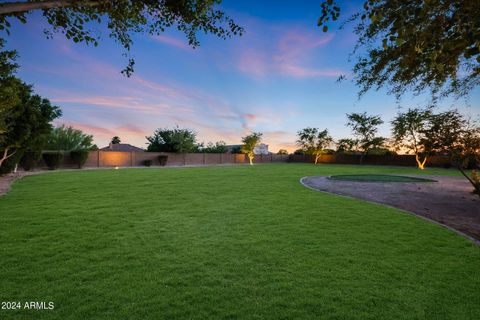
(278, 78)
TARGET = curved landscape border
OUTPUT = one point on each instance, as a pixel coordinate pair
(410, 212)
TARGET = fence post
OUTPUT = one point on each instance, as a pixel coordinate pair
(204, 158)
(98, 158)
(184, 159)
(131, 158)
(221, 158)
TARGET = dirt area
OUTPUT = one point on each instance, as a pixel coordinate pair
(448, 201)
(7, 180)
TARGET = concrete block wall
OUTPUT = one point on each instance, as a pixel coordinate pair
(133, 159)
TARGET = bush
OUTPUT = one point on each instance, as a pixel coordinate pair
(52, 159)
(162, 160)
(147, 163)
(79, 157)
(30, 159)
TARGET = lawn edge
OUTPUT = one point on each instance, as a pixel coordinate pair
(460, 233)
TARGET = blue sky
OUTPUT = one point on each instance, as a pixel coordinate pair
(278, 78)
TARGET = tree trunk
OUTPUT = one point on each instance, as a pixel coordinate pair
(421, 164)
(250, 158)
(17, 7)
(6, 155)
(317, 157)
(475, 185)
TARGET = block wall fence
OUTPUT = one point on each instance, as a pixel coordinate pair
(105, 159)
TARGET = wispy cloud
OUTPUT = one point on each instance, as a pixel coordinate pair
(288, 53)
(303, 72)
(87, 128)
(171, 41)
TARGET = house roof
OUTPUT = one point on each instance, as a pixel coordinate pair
(121, 147)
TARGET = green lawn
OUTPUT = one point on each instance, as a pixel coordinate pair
(226, 242)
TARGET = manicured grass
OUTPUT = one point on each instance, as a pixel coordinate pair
(378, 178)
(226, 242)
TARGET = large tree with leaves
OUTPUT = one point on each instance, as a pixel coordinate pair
(9, 87)
(29, 122)
(414, 45)
(176, 140)
(314, 141)
(409, 131)
(77, 19)
(450, 133)
(364, 128)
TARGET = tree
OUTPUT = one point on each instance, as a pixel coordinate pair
(77, 19)
(414, 45)
(450, 133)
(469, 155)
(314, 142)
(173, 140)
(409, 132)
(249, 143)
(347, 145)
(28, 124)
(364, 128)
(68, 138)
(115, 140)
(218, 147)
(9, 87)
(282, 151)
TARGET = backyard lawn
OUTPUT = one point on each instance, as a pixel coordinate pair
(226, 242)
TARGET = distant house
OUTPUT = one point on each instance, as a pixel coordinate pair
(261, 148)
(125, 147)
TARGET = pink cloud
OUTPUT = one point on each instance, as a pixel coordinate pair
(86, 128)
(253, 62)
(295, 44)
(130, 130)
(287, 54)
(181, 44)
(302, 72)
(124, 102)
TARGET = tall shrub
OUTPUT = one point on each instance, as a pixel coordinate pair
(79, 157)
(162, 160)
(30, 159)
(52, 159)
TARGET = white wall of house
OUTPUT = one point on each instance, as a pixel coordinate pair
(261, 148)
